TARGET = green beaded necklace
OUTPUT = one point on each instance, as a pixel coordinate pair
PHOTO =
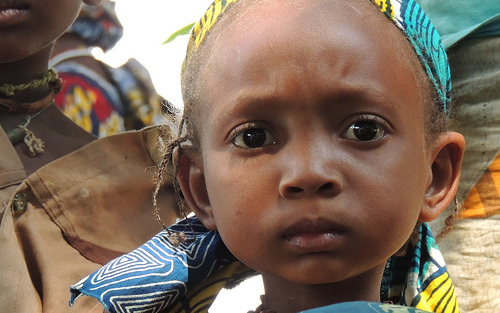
(49, 77)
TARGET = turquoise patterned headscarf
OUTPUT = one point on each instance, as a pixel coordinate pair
(406, 15)
(418, 29)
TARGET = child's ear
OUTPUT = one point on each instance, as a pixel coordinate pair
(448, 152)
(191, 180)
(92, 2)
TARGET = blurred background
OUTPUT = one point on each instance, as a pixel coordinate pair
(147, 24)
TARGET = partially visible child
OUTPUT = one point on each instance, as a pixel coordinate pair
(28, 31)
(68, 203)
(314, 141)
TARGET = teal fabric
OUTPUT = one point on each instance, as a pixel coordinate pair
(456, 19)
(409, 17)
(364, 307)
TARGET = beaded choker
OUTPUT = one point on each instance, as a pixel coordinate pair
(50, 77)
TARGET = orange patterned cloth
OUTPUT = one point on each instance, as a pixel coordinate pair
(483, 199)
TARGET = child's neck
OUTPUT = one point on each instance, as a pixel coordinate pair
(24, 69)
(285, 297)
(24, 72)
(68, 42)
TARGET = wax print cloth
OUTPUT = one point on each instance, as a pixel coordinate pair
(162, 277)
(124, 100)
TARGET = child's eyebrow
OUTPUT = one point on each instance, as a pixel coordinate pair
(349, 94)
(255, 107)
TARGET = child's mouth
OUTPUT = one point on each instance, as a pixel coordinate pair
(314, 242)
(11, 14)
(314, 236)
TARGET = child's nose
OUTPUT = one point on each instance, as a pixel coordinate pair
(310, 172)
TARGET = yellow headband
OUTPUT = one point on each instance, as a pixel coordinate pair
(208, 20)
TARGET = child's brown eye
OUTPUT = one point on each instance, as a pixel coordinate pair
(253, 138)
(365, 130)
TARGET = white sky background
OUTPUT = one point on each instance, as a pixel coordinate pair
(147, 24)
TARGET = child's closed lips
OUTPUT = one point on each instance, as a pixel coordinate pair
(311, 235)
(12, 12)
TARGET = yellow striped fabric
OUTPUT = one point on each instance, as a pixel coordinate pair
(203, 26)
(439, 296)
(385, 6)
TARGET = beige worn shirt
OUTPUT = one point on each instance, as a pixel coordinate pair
(74, 215)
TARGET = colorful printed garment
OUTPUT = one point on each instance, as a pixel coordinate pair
(420, 279)
(483, 199)
(106, 106)
(89, 100)
(98, 25)
(161, 277)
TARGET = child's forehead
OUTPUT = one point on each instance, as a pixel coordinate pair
(270, 15)
(294, 32)
(405, 20)
(325, 56)
(301, 31)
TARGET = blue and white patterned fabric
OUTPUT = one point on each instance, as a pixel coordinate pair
(420, 279)
(161, 277)
(157, 274)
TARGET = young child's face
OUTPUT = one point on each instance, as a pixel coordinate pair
(313, 151)
(28, 26)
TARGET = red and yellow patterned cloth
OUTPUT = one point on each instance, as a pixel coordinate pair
(124, 100)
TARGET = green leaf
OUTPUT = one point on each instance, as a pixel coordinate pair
(183, 31)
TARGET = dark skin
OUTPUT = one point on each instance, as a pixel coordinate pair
(60, 135)
(313, 205)
(28, 32)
